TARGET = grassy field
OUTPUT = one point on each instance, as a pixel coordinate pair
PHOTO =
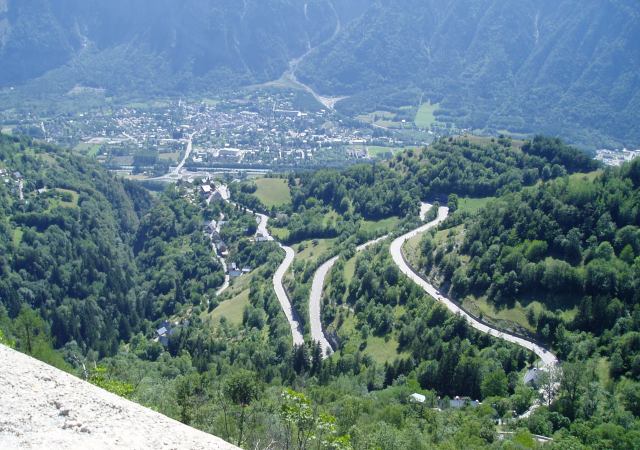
(175, 156)
(473, 205)
(411, 249)
(604, 371)
(17, 236)
(379, 348)
(313, 249)
(382, 351)
(585, 176)
(349, 270)
(380, 226)
(232, 309)
(376, 151)
(280, 234)
(90, 150)
(485, 140)
(273, 191)
(426, 115)
(509, 318)
(57, 201)
(74, 198)
(513, 135)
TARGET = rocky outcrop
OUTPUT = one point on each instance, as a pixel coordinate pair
(43, 407)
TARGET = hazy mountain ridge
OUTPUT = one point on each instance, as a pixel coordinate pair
(180, 43)
(567, 68)
(545, 65)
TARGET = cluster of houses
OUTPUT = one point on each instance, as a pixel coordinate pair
(616, 157)
(208, 191)
(212, 229)
(446, 403)
(235, 271)
(531, 378)
(13, 180)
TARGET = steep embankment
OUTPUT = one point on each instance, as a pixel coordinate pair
(43, 407)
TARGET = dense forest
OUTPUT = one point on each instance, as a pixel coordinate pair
(571, 245)
(65, 248)
(592, 408)
(99, 258)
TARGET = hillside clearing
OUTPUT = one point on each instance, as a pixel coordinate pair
(273, 191)
(425, 117)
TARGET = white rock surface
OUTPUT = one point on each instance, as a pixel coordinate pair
(42, 407)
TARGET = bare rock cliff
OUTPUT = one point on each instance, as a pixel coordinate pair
(42, 407)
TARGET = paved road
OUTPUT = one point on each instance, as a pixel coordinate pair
(278, 286)
(315, 299)
(187, 153)
(548, 358)
(176, 173)
(281, 293)
(224, 193)
(262, 227)
(315, 305)
(227, 278)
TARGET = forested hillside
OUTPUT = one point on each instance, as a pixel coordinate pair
(482, 167)
(82, 248)
(177, 45)
(559, 67)
(571, 243)
(65, 246)
(558, 260)
(93, 265)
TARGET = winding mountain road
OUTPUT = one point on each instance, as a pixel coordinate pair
(278, 286)
(548, 359)
(315, 299)
(283, 298)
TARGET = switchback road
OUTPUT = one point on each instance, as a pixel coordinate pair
(549, 359)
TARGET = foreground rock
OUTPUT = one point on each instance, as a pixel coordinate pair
(43, 407)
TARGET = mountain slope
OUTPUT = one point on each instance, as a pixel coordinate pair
(94, 255)
(122, 45)
(544, 65)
